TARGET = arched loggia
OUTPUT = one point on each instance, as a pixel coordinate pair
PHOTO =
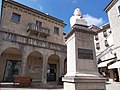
(10, 61)
(34, 66)
(53, 68)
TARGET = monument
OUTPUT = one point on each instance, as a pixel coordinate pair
(82, 73)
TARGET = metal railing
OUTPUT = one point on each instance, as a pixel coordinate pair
(33, 27)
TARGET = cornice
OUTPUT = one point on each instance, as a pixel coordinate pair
(35, 11)
(110, 5)
(80, 28)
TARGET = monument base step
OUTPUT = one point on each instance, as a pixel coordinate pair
(84, 83)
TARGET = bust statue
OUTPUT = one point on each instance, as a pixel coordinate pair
(77, 18)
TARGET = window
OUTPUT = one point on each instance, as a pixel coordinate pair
(105, 33)
(38, 23)
(106, 43)
(97, 46)
(119, 9)
(16, 17)
(110, 31)
(96, 37)
(56, 30)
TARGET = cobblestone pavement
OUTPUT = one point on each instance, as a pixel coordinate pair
(109, 86)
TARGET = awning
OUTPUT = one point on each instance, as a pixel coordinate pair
(104, 64)
(114, 65)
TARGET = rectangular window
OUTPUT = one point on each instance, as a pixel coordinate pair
(106, 43)
(56, 30)
(16, 17)
(98, 45)
(38, 23)
(105, 33)
(119, 9)
(96, 37)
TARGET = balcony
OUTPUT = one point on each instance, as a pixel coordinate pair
(33, 29)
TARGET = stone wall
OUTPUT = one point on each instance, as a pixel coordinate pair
(28, 16)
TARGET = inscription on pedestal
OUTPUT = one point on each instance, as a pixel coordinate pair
(85, 53)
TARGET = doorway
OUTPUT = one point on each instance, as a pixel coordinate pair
(12, 69)
(51, 72)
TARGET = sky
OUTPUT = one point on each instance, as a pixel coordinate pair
(92, 10)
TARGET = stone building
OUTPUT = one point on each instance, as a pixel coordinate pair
(113, 11)
(31, 44)
(107, 42)
(104, 52)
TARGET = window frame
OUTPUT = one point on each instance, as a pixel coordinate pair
(118, 10)
(38, 23)
(16, 17)
(105, 33)
(98, 46)
(56, 32)
(106, 43)
(96, 37)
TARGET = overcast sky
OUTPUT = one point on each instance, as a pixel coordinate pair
(92, 10)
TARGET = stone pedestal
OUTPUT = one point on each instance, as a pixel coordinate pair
(82, 72)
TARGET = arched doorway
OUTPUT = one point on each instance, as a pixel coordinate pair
(34, 66)
(10, 64)
(65, 66)
(53, 69)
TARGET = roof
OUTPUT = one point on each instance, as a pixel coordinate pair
(110, 5)
(105, 26)
(34, 10)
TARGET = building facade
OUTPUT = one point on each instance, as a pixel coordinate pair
(104, 52)
(107, 42)
(31, 44)
(104, 42)
(113, 11)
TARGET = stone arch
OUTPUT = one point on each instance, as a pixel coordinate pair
(34, 66)
(10, 60)
(53, 68)
(9, 45)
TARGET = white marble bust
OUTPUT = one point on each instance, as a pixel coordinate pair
(77, 18)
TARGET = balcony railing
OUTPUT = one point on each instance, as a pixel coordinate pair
(12, 37)
(37, 30)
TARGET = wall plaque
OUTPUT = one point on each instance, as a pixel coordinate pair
(85, 53)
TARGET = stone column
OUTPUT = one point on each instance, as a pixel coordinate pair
(119, 73)
(44, 71)
(23, 64)
(82, 73)
(61, 65)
